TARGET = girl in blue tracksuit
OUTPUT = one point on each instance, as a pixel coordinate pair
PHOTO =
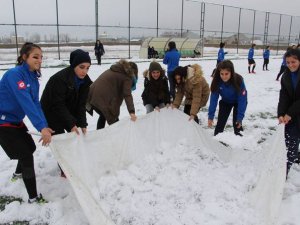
(283, 66)
(266, 56)
(231, 87)
(221, 56)
(251, 59)
(19, 97)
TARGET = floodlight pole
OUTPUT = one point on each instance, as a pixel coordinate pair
(157, 3)
(279, 33)
(290, 29)
(57, 29)
(96, 19)
(222, 24)
(253, 25)
(238, 34)
(15, 24)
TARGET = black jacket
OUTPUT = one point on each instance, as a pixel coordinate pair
(156, 91)
(64, 104)
(99, 50)
(289, 99)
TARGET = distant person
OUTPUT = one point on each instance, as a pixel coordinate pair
(156, 93)
(19, 97)
(231, 87)
(221, 56)
(65, 94)
(191, 84)
(283, 66)
(266, 56)
(99, 51)
(251, 61)
(288, 110)
(110, 89)
(171, 59)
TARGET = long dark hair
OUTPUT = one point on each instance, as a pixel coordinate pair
(26, 50)
(235, 79)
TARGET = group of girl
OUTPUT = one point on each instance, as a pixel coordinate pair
(70, 92)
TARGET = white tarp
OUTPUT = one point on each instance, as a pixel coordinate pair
(87, 159)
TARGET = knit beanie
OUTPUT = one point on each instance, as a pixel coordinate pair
(154, 66)
(181, 71)
(79, 56)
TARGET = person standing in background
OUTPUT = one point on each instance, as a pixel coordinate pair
(251, 59)
(283, 66)
(19, 97)
(266, 56)
(171, 59)
(221, 56)
(99, 51)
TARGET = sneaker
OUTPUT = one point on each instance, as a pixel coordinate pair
(253, 72)
(16, 176)
(39, 200)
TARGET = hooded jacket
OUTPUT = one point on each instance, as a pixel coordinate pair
(110, 88)
(155, 91)
(194, 88)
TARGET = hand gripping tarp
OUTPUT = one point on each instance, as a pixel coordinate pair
(86, 158)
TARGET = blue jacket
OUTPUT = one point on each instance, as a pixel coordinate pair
(221, 55)
(171, 59)
(251, 53)
(19, 96)
(229, 95)
(283, 60)
(266, 54)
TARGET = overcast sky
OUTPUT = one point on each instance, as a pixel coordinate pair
(143, 15)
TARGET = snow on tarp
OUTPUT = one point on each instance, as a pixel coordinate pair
(164, 169)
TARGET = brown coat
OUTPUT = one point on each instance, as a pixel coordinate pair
(110, 88)
(194, 88)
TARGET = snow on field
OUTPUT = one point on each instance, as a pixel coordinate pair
(259, 124)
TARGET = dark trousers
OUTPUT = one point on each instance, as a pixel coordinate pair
(98, 56)
(266, 62)
(102, 120)
(282, 69)
(224, 112)
(292, 140)
(187, 110)
(172, 84)
(18, 144)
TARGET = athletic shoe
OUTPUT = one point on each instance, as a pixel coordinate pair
(253, 72)
(39, 200)
(16, 176)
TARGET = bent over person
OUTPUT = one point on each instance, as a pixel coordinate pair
(110, 89)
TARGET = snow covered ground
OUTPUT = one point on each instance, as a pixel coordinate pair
(260, 123)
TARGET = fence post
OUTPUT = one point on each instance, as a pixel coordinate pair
(181, 29)
(202, 27)
(279, 33)
(266, 31)
(57, 29)
(290, 30)
(157, 3)
(253, 25)
(222, 24)
(129, 24)
(15, 25)
(96, 19)
(238, 34)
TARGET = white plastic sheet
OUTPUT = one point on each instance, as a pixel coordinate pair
(85, 159)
